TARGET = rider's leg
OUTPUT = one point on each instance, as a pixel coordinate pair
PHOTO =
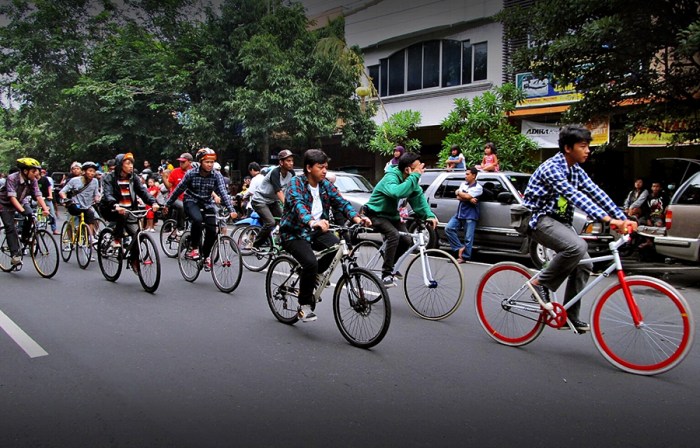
(8, 220)
(196, 219)
(302, 252)
(210, 235)
(321, 242)
(267, 213)
(391, 236)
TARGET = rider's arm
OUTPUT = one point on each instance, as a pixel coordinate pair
(181, 187)
(601, 199)
(220, 188)
(338, 202)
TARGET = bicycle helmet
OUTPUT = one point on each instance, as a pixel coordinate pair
(87, 165)
(205, 154)
(28, 163)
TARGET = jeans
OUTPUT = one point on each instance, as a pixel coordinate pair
(303, 252)
(52, 213)
(396, 244)
(570, 249)
(268, 213)
(451, 231)
(199, 221)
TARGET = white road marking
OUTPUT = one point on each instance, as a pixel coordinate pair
(22, 339)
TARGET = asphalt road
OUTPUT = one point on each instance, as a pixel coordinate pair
(192, 367)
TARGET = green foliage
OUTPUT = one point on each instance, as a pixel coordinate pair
(615, 50)
(395, 131)
(471, 124)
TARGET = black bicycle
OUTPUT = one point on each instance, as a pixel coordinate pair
(40, 246)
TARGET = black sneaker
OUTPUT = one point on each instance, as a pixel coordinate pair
(543, 293)
(580, 325)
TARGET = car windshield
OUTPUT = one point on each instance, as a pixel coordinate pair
(352, 184)
(519, 181)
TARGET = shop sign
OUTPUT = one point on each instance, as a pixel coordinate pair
(546, 135)
(541, 92)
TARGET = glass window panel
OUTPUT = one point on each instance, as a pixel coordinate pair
(431, 64)
(373, 71)
(383, 78)
(397, 75)
(451, 62)
(480, 61)
(415, 67)
(466, 62)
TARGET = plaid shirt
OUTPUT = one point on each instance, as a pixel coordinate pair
(198, 188)
(297, 207)
(555, 186)
(19, 187)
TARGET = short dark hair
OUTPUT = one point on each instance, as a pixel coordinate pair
(253, 166)
(571, 134)
(407, 160)
(472, 169)
(314, 156)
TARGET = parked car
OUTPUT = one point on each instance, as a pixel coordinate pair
(494, 231)
(682, 236)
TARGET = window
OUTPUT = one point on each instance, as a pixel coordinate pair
(448, 189)
(431, 64)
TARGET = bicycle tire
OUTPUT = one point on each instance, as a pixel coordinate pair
(66, 240)
(98, 225)
(361, 308)
(660, 344)
(226, 265)
(189, 268)
(109, 258)
(252, 260)
(282, 289)
(244, 238)
(168, 242)
(83, 248)
(443, 296)
(368, 255)
(44, 251)
(149, 262)
(5, 253)
(501, 321)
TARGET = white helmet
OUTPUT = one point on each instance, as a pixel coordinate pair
(217, 166)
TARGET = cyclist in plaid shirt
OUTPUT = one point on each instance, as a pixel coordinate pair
(556, 187)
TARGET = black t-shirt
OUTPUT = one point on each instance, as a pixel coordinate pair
(44, 185)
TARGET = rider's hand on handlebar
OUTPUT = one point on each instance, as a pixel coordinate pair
(433, 222)
(322, 224)
(625, 226)
(365, 221)
(155, 207)
(120, 210)
(234, 215)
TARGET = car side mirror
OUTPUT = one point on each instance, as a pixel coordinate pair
(505, 197)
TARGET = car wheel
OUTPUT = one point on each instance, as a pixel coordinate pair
(540, 254)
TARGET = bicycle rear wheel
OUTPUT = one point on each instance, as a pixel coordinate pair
(369, 256)
(226, 268)
(83, 248)
(505, 306)
(67, 239)
(149, 262)
(663, 339)
(169, 240)
(442, 294)
(109, 258)
(361, 308)
(44, 252)
(255, 260)
(282, 289)
(189, 268)
(5, 253)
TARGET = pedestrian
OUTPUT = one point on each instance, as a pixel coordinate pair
(466, 217)
(398, 152)
(46, 188)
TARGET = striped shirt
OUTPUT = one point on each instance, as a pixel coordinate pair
(555, 186)
(125, 191)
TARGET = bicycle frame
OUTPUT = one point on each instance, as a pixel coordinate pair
(418, 243)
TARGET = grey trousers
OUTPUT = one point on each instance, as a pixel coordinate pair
(570, 249)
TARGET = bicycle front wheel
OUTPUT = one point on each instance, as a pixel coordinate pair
(369, 256)
(435, 292)
(361, 308)
(83, 248)
(5, 253)
(149, 263)
(109, 258)
(189, 268)
(67, 239)
(505, 306)
(664, 337)
(169, 238)
(282, 289)
(254, 260)
(226, 268)
(44, 252)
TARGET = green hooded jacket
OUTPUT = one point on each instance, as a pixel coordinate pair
(384, 201)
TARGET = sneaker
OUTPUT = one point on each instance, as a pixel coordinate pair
(116, 242)
(16, 260)
(135, 266)
(207, 263)
(543, 293)
(580, 325)
(388, 281)
(397, 275)
(305, 314)
(193, 254)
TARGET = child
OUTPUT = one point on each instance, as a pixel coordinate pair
(154, 190)
(490, 161)
(456, 159)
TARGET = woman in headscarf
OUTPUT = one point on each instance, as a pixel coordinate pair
(398, 152)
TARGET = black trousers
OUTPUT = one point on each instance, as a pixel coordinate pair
(396, 244)
(199, 221)
(303, 252)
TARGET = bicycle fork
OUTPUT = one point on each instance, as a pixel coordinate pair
(634, 309)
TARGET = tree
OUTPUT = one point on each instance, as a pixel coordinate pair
(395, 132)
(471, 124)
(616, 52)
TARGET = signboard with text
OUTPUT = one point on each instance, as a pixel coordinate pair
(541, 92)
(546, 135)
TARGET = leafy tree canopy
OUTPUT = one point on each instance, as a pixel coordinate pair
(646, 53)
(395, 131)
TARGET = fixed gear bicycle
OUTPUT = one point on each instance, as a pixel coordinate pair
(110, 258)
(361, 304)
(640, 324)
(41, 247)
(433, 284)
